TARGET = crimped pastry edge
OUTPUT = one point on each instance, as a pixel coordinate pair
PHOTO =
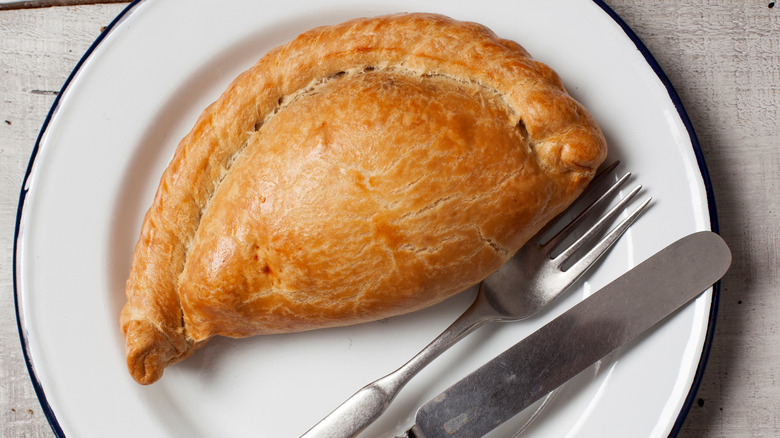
(279, 74)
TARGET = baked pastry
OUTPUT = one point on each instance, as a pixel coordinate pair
(363, 170)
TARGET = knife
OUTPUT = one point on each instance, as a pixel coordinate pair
(532, 368)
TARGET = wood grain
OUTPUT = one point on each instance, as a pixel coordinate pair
(33, 4)
(722, 56)
(38, 50)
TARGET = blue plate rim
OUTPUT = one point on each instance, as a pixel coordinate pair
(713, 314)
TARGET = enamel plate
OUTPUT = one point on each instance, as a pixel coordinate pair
(140, 88)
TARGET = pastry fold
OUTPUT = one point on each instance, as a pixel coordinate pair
(361, 171)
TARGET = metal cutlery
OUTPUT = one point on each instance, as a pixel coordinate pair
(618, 313)
(533, 278)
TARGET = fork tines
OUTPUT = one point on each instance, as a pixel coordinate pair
(607, 240)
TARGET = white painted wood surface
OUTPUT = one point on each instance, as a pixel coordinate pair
(723, 57)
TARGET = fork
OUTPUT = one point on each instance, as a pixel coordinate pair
(533, 278)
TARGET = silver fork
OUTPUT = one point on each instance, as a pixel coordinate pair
(528, 282)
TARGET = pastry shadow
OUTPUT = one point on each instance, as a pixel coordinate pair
(330, 345)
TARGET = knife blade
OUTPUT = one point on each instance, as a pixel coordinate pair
(616, 314)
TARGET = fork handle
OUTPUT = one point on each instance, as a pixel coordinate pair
(368, 404)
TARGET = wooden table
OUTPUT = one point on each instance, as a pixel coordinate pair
(723, 57)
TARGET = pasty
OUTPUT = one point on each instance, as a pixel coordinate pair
(363, 170)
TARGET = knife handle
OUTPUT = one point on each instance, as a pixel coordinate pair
(368, 404)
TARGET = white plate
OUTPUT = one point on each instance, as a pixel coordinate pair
(136, 93)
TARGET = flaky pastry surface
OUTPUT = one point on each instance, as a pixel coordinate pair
(361, 171)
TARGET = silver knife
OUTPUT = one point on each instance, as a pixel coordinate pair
(532, 368)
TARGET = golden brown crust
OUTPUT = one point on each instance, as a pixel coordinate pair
(360, 171)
